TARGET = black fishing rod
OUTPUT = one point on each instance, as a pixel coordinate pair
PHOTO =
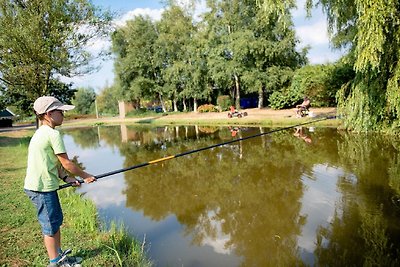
(193, 151)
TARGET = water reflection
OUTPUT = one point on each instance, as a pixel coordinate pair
(275, 200)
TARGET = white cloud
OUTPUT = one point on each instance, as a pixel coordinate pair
(214, 236)
(314, 34)
(106, 76)
(154, 14)
(98, 45)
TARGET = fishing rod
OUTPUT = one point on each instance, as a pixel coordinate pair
(193, 151)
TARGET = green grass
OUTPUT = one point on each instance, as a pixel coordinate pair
(20, 236)
(274, 122)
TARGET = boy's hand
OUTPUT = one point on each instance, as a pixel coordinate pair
(90, 179)
(73, 181)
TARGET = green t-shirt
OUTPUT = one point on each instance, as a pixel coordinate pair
(43, 164)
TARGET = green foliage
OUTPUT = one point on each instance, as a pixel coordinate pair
(319, 82)
(107, 101)
(283, 99)
(224, 102)
(370, 30)
(41, 41)
(237, 48)
(207, 108)
(140, 112)
(127, 251)
(84, 101)
(135, 66)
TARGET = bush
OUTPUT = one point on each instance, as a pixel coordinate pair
(284, 99)
(224, 102)
(207, 108)
(139, 112)
(319, 82)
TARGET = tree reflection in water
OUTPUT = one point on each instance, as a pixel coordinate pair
(246, 198)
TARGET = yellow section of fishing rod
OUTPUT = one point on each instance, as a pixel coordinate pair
(162, 159)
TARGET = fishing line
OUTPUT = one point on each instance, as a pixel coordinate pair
(194, 151)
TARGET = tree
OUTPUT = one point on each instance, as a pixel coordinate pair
(84, 100)
(175, 33)
(228, 58)
(137, 74)
(274, 53)
(42, 40)
(370, 30)
(254, 51)
(107, 101)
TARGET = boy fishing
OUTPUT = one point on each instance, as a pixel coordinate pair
(47, 162)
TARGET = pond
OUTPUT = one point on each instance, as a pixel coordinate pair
(296, 197)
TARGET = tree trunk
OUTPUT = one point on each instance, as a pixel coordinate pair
(237, 88)
(162, 103)
(260, 98)
(195, 104)
(184, 104)
(175, 104)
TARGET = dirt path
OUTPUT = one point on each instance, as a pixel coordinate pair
(255, 113)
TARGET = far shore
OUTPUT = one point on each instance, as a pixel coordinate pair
(255, 117)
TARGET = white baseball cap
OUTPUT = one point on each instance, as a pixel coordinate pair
(48, 103)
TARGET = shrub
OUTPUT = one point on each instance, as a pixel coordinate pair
(224, 102)
(284, 99)
(207, 108)
(319, 82)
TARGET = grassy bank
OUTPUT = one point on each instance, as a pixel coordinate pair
(21, 237)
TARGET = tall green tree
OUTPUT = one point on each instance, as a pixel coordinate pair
(274, 52)
(255, 50)
(197, 86)
(137, 74)
(42, 40)
(228, 56)
(370, 30)
(175, 32)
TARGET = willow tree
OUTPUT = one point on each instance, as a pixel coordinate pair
(42, 40)
(371, 32)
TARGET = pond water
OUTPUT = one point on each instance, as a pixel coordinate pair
(296, 197)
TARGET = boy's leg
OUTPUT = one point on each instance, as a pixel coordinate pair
(52, 244)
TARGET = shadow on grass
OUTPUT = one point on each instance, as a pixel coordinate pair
(150, 120)
(91, 253)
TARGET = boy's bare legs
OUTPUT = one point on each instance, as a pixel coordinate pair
(53, 243)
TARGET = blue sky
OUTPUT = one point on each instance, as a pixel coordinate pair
(310, 31)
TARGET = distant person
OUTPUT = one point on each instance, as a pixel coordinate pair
(303, 107)
(233, 109)
(47, 159)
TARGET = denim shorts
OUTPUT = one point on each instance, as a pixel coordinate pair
(49, 211)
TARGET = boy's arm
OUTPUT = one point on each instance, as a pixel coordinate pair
(72, 168)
